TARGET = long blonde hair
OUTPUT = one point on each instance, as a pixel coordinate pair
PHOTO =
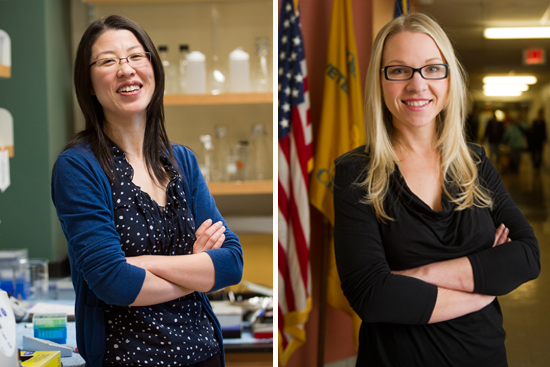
(457, 161)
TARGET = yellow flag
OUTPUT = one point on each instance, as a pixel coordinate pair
(340, 131)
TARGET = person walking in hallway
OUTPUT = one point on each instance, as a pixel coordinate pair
(514, 139)
(537, 139)
(493, 134)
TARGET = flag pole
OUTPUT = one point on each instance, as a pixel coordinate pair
(323, 294)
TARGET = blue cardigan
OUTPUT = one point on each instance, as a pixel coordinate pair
(82, 196)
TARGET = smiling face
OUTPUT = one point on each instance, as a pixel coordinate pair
(414, 103)
(123, 91)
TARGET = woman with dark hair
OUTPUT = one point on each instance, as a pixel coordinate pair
(425, 233)
(128, 201)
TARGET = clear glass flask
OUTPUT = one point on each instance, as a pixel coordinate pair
(170, 72)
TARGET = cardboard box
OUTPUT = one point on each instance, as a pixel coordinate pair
(40, 359)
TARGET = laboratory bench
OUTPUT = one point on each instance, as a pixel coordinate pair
(245, 351)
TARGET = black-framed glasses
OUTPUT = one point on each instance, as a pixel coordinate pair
(135, 60)
(428, 72)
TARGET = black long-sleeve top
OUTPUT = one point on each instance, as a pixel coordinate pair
(395, 309)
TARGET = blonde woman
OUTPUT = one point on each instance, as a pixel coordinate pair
(426, 235)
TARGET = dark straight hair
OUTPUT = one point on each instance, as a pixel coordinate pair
(155, 141)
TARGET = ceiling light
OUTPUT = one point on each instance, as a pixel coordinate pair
(526, 79)
(517, 32)
(505, 87)
(496, 93)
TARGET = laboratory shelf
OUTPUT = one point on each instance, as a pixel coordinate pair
(217, 99)
(5, 71)
(241, 187)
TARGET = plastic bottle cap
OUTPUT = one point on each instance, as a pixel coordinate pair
(163, 48)
(206, 141)
(184, 47)
(238, 54)
(196, 56)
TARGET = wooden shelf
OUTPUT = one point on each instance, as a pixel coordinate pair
(5, 71)
(218, 99)
(241, 187)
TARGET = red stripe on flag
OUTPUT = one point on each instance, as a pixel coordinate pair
(303, 151)
(283, 203)
(285, 274)
(301, 245)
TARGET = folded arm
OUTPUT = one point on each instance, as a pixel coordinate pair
(216, 261)
(501, 269)
(452, 304)
(192, 272)
(157, 290)
(496, 270)
(455, 274)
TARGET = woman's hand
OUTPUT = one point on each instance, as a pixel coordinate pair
(209, 236)
(501, 235)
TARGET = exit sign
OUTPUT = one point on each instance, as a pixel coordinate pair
(534, 56)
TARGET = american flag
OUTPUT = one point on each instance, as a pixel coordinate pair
(295, 163)
(401, 7)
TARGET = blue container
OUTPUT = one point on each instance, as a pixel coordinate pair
(51, 327)
(22, 288)
(56, 335)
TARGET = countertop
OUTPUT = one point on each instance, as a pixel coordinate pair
(245, 344)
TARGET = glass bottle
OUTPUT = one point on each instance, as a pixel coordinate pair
(242, 160)
(231, 163)
(184, 50)
(260, 167)
(223, 154)
(262, 81)
(170, 80)
(216, 72)
(207, 157)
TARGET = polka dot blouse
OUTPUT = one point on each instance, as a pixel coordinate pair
(174, 333)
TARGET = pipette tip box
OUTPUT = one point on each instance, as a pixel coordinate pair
(50, 326)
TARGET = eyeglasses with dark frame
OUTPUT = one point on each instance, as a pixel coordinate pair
(428, 72)
(135, 60)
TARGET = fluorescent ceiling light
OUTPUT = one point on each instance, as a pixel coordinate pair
(517, 33)
(527, 79)
(505, 87)
(497, 93)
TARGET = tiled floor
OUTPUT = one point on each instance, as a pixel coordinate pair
(527, 309)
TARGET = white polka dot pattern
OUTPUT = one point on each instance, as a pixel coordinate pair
(175, 333)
